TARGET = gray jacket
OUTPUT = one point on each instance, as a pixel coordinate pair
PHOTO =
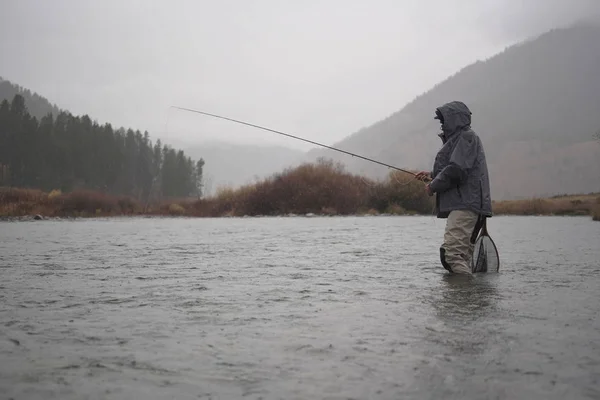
(460, 174)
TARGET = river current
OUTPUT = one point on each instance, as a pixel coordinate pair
(295, 308)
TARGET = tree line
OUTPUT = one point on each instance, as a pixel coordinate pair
(67, 152)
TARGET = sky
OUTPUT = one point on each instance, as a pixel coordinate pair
(319, 69)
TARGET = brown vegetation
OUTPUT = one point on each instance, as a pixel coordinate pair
(596, 210)
(322, 188)
(558, 205)
(16, 202)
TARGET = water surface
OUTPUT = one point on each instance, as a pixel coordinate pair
(295, 308)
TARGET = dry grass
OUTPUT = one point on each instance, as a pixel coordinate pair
(596, 210)
(176, 209)
(54, 193)
(559, 205)
(90, 203)
(16, 202)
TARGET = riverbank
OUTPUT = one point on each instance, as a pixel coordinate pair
(566, 206)
(577, 204)
(321, 189)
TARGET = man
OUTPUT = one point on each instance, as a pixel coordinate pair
(460, 182)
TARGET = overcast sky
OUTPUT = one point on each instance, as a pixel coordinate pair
(321, 69)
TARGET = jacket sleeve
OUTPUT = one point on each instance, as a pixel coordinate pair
(462, 160)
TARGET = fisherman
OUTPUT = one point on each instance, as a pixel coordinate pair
(461, 184)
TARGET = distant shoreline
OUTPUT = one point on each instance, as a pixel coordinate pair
(568, 206)
(310, 190)
(30, 218)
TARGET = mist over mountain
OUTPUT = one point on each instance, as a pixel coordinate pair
(233, 165)
(536, 106)
(37, 105)
(226, 164)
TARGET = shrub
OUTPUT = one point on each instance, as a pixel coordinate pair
(54, 193)
(16, 195)
(176, 209)
(320, 188)
(395, 209)
(128, 205)
(86, 202)
(19, 202)
(402, 190)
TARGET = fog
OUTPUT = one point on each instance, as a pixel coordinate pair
(318, 69)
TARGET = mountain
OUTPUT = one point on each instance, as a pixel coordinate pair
(232, 165)
(37, 105)
(535, 106)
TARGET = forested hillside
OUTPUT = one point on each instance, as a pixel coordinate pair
(535, 106)
(37, 105)
(67, 152)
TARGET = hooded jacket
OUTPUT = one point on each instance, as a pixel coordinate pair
(460, 174)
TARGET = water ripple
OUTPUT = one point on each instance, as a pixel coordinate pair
(295, 308)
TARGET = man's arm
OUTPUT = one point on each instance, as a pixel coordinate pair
(462, 159)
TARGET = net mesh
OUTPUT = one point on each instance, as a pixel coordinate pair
(485, 255)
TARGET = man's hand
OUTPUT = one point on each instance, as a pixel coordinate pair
(428, 190)
(424, 176)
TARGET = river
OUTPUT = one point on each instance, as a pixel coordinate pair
(295, 308)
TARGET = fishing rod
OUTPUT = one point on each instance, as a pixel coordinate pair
(294, 137)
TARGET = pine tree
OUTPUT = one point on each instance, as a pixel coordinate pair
(66, 152)
(4, 143)
(198, 178)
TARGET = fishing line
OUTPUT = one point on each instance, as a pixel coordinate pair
(317, 144)
(294, 137)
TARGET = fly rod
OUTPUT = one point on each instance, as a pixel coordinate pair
(294, 137)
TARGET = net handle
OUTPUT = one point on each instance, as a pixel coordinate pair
(484, 231)
(480, 229)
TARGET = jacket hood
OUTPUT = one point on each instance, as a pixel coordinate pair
(457, 116)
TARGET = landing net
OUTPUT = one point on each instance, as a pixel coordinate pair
(485, 254)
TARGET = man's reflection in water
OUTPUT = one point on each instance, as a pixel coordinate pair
(466, 296)
(467, 307)
(455, 349)
(457, 343)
